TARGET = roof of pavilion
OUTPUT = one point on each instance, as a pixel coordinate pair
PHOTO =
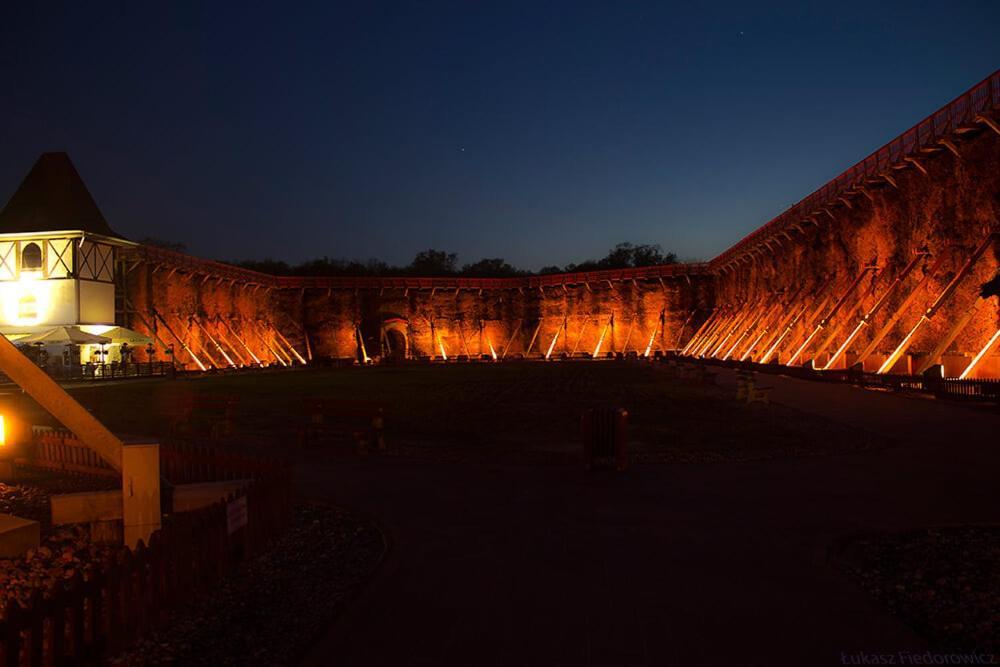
(53, 197)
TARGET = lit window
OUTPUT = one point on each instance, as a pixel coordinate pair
(31, 257)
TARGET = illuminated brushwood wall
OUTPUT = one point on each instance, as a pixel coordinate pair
(947, 211)
(218, 320)
(469, 322)
(205, 318)
(945, 206)
(632, 317)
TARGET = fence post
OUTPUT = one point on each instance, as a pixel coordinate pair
(36, 626)
(12, 620)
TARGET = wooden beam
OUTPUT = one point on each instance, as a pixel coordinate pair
(900, 310)
(956, 328)
(990, 122)
(916, 163)
(140, 492)
(37, 384)
(86, 507)
(950, 145)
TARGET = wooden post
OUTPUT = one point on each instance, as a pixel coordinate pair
(140, 492)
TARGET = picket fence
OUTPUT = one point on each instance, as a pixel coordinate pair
(81, 620)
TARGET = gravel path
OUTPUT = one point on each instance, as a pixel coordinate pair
(270, 612)
(945, 583)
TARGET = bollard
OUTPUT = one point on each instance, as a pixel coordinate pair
(605, 438)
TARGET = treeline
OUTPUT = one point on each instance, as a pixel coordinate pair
(440, 263)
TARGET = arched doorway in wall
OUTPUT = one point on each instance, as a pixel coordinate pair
(395, 341)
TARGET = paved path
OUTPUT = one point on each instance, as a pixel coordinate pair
(720, 564)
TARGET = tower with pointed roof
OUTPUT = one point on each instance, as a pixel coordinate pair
(57, 254)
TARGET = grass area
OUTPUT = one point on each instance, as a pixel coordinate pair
(500, 409)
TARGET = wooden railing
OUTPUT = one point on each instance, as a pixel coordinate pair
(978, 389)
(59, 449)
(961, 113)
(81, 620)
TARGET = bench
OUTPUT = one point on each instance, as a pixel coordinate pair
(697, 373)
(331, 419)
(605, 438)
(748, 391)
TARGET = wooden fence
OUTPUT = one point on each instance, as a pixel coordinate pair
(978, 389)
(59, 449)
(79, 621)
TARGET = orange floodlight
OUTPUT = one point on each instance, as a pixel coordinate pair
(979, 357)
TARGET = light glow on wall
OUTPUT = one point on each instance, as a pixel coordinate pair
(649, 346)
(28, 301)
(553, 343)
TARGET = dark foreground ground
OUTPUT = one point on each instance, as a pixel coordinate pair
(727, 551)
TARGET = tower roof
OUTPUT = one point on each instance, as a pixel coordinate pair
(53, 197)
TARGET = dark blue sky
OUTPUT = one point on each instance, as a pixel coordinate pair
(543, 133)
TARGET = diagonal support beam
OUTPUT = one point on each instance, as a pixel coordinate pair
(534, 337)
(782, 315)
(513, 337)
(877, 306)
(762, 312)
(628, 334)
(229, 343)
(604, 332)
(939, 302)
(680, 334)
(979, 357)
(744, 352)
(548, 353)
(186, 331)
(709, 321)
(214, 342)
(242, 342)
(901, 310)
(579, 338)
(256, 329)
(796, 315)
(745, 313)
(184, 346)
(291, 347)
(956, 328)
(825, 322)
(729, 314)
(48, 394)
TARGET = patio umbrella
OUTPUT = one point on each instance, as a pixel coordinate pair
(64, 336)
(124, 335)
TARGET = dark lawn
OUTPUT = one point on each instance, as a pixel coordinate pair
(506, 410)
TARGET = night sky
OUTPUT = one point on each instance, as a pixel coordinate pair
(542, 133)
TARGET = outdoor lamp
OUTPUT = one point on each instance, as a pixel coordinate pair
(10, 427)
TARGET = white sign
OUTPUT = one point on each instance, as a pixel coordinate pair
(236, 514)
